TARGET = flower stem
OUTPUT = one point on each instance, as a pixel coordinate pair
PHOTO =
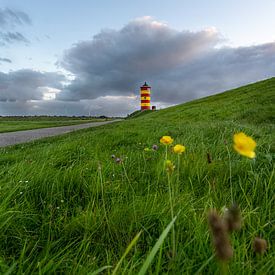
(171, 206)
(178, 170)
(230, 174)
(172, 216)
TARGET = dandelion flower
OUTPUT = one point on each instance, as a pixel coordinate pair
(166, 140)
(244, 145)
(170, 167)
(179, 149)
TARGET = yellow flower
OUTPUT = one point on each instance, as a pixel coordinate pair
(170, 167)
(244, 145)
(179, 149)
(166, 140)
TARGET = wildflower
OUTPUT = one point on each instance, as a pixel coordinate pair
(233, 218)
(244, 145)
(170, 167)
(147, 149)
(62, 201)
(259, 245)
(179, 149)
(166, 140)
(118, 160)
(155, 147)
(220, 237)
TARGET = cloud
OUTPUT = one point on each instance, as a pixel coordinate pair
(116, 62)
(110, 106)
(12, 37)
(10, 18)
(216, 71)
(108, 70)
(26, 85)
(180, 65)
(7, 60)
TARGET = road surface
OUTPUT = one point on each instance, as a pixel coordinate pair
(12, 138)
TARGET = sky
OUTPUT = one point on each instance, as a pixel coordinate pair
(90, 57)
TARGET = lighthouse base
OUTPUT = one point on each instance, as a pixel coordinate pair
(145, 108)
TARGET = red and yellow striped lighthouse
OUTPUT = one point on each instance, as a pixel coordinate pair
(145, 97)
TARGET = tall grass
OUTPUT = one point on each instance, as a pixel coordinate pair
(67, 206)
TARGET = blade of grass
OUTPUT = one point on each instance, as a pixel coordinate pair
(11, 269)
(127, 251)
(99, 270)
(156, 247)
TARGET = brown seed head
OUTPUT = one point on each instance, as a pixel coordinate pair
(220, 236)
(233, 218)
(209, 159)
(259, 245)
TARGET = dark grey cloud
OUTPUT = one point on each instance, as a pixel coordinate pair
(10, 18)
(6, 60)
(180, 65)
(101, 106)
(217, 71)
(115, 62)
(25, 85)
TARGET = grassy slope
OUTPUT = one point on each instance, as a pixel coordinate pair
(66, 206)
(7, 125)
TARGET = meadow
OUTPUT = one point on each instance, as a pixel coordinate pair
(11, 124)
(105, 201)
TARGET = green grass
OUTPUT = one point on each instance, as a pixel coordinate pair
(18, 123)
(67, 207)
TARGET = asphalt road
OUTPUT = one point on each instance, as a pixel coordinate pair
(12, 138)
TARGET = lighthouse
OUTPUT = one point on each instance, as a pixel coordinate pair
(145, 92)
